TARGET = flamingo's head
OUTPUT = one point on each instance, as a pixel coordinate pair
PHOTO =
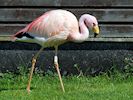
(92, 23)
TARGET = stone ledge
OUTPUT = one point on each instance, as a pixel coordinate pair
(99, 39)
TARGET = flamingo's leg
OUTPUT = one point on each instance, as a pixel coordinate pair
(32, 68)
(57, 68)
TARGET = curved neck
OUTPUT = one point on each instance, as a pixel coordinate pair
(84, 32)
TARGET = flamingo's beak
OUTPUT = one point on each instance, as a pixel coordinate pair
(95, 29)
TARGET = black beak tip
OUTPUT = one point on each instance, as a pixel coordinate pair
(95, 35)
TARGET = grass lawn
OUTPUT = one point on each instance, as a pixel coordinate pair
(47, 87)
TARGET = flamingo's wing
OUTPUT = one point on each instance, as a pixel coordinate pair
(52, 25)
(33, 24)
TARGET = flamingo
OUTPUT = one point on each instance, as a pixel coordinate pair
(54, 28)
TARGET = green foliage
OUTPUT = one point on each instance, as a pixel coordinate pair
(23, 70)
(128, 66)
(101, 87)
(80, 72)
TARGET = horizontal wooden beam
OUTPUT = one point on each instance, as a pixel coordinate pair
(110, 39)
(30, 3)
(99, 39)
(5, 37)
(103, 15)
(105, 30)
(68, 3)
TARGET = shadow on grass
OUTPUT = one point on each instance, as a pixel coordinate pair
(8, 89)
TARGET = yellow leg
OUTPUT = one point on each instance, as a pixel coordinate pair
(57, 68)
(32, 68)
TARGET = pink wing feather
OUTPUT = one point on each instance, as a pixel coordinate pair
(31, 25)
(52, 23)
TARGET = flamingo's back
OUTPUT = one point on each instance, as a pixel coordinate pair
(53, 23)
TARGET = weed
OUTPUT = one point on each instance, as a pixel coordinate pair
(128, 68)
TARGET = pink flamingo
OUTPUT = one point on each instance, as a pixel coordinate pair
(54, 28)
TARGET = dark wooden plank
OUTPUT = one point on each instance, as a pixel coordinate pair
(20, 14)
(68, 3)
(96, 3)
(8, 29)
(103, 15)
(107, 15)
(105, 30)
(29, 3)
(116, 30)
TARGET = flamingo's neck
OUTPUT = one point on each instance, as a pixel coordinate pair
(84, 32)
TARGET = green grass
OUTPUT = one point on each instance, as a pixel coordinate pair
(47, 87)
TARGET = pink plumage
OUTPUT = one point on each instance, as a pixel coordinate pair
(54, 28)
(59, 26)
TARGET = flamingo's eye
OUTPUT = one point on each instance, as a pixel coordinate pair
(94, 24)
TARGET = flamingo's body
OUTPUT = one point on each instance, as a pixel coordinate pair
(54, 28)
